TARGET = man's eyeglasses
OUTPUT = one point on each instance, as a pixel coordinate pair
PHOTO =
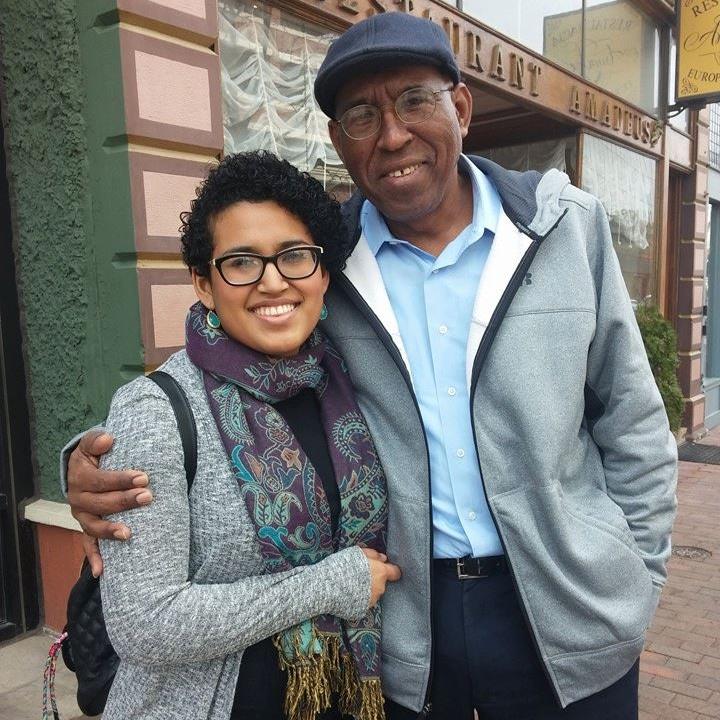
(242, 268)
(411, 107)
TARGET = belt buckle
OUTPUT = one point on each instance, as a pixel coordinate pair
(462, 575)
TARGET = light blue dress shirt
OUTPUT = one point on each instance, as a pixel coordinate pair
(433, 300)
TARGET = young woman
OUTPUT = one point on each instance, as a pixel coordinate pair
(254, 597)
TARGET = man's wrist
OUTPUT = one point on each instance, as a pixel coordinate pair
(65, 456)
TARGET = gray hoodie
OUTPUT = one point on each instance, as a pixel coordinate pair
(577, 460)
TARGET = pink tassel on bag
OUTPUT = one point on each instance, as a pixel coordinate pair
(49, 680)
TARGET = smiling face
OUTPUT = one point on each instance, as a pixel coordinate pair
(274, 316)
(409, 172)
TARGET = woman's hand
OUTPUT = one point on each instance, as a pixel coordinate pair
(381, 573)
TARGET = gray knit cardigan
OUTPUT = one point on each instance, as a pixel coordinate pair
(185, 595)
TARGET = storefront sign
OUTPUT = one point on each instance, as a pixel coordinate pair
(515, 72)
(698, 51)
(472, 47)
(613, 115)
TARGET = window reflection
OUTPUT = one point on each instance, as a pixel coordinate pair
(622, 51)
(610, 43)
(527, 22)
(678, 120)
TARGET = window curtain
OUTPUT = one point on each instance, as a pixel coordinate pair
(267, 67)
(624, 181)
(542, 156)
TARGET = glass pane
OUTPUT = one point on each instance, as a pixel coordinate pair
(624, 181)
(681, 120)
(550, 27)
(714, 139)
(541, 156)
(622, 51)
(712, 324)
(269, 59)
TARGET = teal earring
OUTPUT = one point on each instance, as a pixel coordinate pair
(323, 312)
(212, 320)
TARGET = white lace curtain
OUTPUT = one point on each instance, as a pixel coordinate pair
(268, 69)
(625, 183)
(540, 156)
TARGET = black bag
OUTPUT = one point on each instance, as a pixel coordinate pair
(87, 650)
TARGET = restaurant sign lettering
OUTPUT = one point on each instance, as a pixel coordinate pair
(494, 60)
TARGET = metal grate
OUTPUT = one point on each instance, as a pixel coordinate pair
(690, 552)
(699, 453)
(715, 135)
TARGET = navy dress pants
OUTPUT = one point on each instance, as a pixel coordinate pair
(485, 660)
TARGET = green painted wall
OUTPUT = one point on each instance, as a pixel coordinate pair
(111, 224)
(77, 283)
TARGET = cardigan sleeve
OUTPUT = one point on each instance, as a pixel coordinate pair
(153, 613)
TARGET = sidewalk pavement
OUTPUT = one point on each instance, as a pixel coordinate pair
(21, 680)
(679, 670)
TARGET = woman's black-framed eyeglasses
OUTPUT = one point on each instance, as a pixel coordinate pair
(243, 268)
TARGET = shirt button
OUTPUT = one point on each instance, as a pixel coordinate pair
(452, 391)
(443, 329)
(471, 515)
(460, 453)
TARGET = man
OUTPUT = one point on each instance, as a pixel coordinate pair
(489, 335)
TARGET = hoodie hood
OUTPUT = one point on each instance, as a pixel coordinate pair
(529, 199)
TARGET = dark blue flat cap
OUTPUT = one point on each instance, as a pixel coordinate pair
(381, 41)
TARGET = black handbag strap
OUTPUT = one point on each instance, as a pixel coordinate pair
(185, 420)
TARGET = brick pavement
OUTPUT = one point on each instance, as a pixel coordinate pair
(680, 668)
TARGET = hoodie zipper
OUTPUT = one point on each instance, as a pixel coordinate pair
(487, 340)
(390, 346)
(485, 344)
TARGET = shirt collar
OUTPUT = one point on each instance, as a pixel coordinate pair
(486, 210)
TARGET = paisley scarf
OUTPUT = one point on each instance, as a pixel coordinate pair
(285, 498)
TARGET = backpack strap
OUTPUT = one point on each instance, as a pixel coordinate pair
(185, 420)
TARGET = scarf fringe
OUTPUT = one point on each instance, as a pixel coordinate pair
(314, 679)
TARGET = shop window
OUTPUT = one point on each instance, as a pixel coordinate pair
(714, 140)
(622, 51)
(541, 156)
(677, 120)
(269, 59)
(612, 44)
(550, 27)
(624, 181)
(712, 323)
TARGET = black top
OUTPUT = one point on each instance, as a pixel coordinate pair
(302, 414)
(260, 690)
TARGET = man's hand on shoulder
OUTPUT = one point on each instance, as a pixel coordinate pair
(93, 493)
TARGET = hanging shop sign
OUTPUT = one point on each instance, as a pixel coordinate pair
(512, 70)
(698, 51)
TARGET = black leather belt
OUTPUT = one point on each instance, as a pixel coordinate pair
(470, 568)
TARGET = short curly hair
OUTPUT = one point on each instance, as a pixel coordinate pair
(260, 176)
